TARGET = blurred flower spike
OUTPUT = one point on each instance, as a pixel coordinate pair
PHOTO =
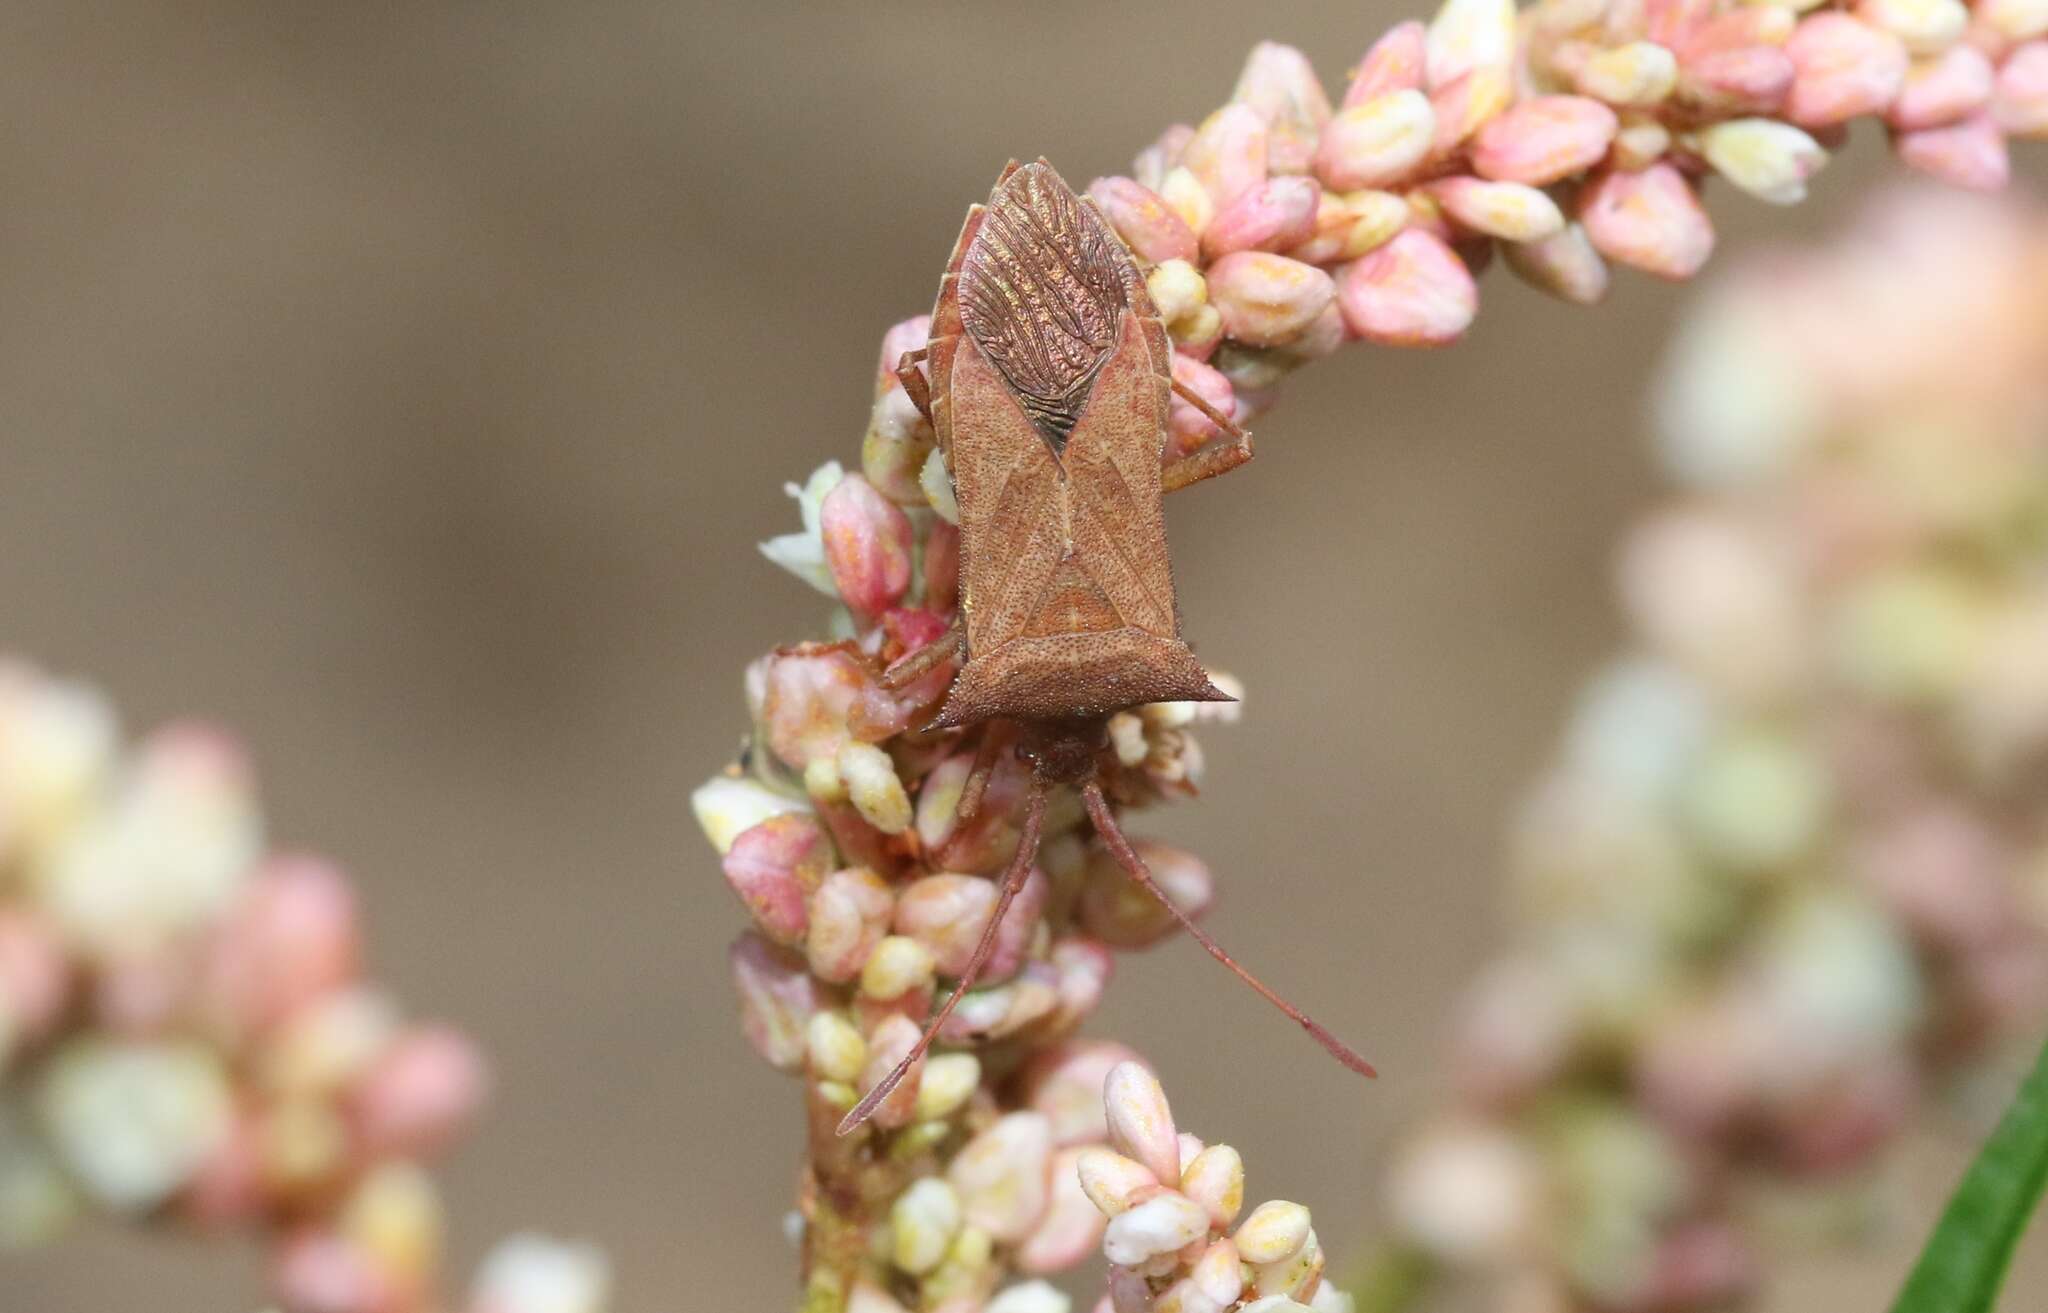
(1783, 886)
(187, 1036)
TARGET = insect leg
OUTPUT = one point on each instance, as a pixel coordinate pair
(1013, 880)
(912, 379)
(1134, 866)
(976, 785)
(1210, 461)
(909, 669)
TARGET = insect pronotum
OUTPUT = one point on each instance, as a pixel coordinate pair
(1050, 380)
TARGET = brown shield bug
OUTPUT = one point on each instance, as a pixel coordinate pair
(1050, 380)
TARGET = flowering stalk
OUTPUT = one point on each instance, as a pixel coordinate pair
(1788, 876)
(1568, 136)
(187, 1039)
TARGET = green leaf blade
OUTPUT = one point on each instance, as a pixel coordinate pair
(1964, 1263)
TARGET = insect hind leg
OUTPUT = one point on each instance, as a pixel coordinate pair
(1134, 866)
(1013, 881)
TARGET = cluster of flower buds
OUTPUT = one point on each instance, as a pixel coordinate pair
(1787, 880)
(1174, 1240)
(186, 1035)
(1566, 137)
(842, 833)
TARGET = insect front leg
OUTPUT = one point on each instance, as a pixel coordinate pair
(1209, 461)
(909, 669)
(912, 379)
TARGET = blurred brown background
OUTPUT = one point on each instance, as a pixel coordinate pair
(407, 384)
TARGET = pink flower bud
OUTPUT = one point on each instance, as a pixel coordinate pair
(1219, 1272)
(892, 1041)
(1152, 164)
(849, 915)
(1140, 1123)
(142, 993)
(774, 866)
(1266, 299)
(1641, 73)
(1001, 1175)
(894, 451)
(1001, 1011)
(1841, 1124)
(988, 840)
(1942, 90)
(1566, 266)
(419, 1094)
(1746, 80)
(1703, 1265)
(2021, 100)
(1349, 225)
(1227, 154)
(1276, 214)
(1510, 211)
(1282, 86)
(1464, 105)
(1083, 969)
(948, 913)
(1065, 1083)
(1128, 1293)
(1276, 1231)
(1845, 69)
(35, 979)
(866, 1298)
(1190, 428)
(1651, 220)
(808, 697)
(227, 1190)
(777, 999)
(1414, 291)
(1543, 140)
(1147, 224)
(319, 1272)
(1072, 1224)
(1215, 1180)
(1393, 64)
(1928, 27)
(1112, 1182)
(293, 937)
(1117, 911)
(1160, 1225)
(1998, 23)
(1738, 29)
(1469, 34)
(1969, 154)
(1941, 870)
(1376, 142)
(867, 545)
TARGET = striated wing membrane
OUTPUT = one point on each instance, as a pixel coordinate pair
(1041, 293)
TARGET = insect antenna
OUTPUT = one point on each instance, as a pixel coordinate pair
(1134, 866)
(1013, 880)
